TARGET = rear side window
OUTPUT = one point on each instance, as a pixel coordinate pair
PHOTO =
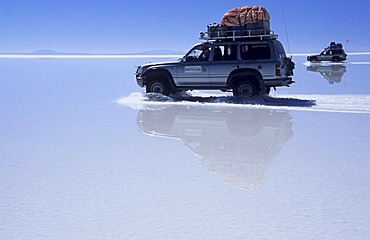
(337, 51)
(280, 49)
(255, 51)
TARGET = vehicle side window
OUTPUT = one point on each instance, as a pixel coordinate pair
(200, 53)
(280, 50)
(231, 53)
(204, 56)
(337, 52)
(225, 53)
(218, 54)
(255, 51)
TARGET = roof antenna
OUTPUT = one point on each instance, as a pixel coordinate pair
(286, 31)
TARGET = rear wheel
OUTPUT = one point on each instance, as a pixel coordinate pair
(158, 86)
(245, 89)
(336, 59)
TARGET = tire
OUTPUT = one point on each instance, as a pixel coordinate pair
(314, 59)
(335, 59)
(245, 89)
(158, 86)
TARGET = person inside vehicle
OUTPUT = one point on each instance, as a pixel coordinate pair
(217, 56)
(204, 56)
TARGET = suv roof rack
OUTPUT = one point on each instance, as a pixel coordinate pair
(232, 35)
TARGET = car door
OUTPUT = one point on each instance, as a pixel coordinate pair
(326, 56)
(224, 61)
(258, 56)
(193, 70)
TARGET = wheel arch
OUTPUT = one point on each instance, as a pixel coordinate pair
(335, 59)
(252, 75)
(154, 73)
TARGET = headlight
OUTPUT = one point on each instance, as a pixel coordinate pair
(141, 69)
(138, 70)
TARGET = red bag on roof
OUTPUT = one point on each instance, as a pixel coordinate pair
(244, 15)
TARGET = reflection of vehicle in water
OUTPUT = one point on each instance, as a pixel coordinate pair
(332, 73)
(238, 144)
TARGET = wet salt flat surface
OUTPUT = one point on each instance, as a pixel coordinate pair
(85, 154)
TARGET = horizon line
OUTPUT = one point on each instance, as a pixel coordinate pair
(107, 56)
(60, 56)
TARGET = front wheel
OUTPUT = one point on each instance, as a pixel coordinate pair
(158, 86)
(314, 59)
(244, 89)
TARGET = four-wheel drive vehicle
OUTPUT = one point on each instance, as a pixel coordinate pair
(333, 53)
(245, 67)
(329, 55)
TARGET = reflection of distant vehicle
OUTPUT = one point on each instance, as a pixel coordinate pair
(334, 53)
(332, 73)
(238, 143)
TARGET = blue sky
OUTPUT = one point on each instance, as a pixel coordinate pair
(140, 25)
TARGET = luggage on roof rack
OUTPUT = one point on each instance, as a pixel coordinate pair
(239, 23)
(245, 15)
(334, 46)
(219, 32)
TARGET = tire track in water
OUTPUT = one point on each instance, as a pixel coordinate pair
(357, 103)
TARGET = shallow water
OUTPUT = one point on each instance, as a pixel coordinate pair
(85, 154)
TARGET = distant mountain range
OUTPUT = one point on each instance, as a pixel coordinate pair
(52, 52)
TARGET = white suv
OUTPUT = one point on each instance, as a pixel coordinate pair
(244, 66)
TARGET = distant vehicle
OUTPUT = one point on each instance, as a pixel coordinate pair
(333, 53)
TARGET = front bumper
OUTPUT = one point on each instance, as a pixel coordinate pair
(140, 81)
